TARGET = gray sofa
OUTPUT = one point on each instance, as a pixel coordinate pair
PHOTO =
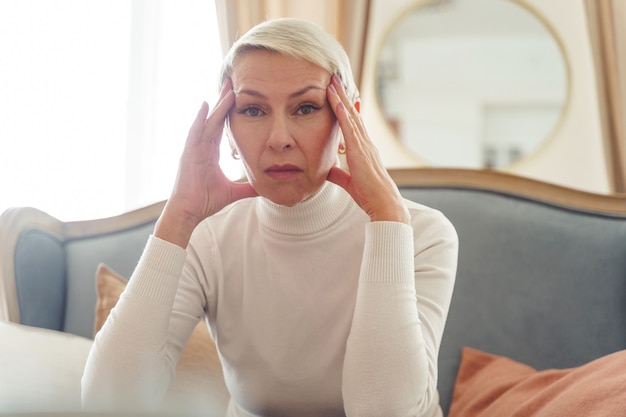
(541, 276)
(542, 269)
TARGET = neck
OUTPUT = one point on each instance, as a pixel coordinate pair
(315, 214)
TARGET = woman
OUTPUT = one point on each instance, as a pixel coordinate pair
(326, 292)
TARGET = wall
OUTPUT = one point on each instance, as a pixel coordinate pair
(573, 157)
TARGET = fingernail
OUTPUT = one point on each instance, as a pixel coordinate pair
(333, 89)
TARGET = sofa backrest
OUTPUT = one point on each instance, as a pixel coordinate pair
(118, 249)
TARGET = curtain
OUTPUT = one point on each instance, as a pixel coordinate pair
(607, 31)
(344, 19)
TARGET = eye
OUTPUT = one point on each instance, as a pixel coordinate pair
(306, 109)
(250, 111)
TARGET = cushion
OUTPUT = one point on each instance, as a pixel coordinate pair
(489, 385)
(40, 369)
(199, 381)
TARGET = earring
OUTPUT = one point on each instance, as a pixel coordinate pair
(342, 149)
(235, 154)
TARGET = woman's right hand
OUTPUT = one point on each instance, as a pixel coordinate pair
(201, 188)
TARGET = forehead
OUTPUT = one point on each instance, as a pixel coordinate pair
(274, 72)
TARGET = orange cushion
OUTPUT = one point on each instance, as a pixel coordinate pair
(494, 386)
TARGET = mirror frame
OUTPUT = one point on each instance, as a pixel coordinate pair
(550, 134)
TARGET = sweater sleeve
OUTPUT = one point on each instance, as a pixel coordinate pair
(131, 363)
(405, 287)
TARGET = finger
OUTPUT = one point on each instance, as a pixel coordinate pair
(243, 190)
(335, 81)
(349, 126)
(351, 106)
(352, 126)
(340, 102)
(224, 102)
(197, 128)
(215, 122)
(340, 177)
(227, 89)
(195, 131)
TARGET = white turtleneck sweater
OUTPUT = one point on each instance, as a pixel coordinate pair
(315, 311)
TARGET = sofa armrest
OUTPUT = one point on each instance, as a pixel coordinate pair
(17, 224)
(47, 267)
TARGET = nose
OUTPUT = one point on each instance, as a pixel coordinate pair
(280, 137)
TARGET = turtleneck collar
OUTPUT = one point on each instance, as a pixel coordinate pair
(315, 214)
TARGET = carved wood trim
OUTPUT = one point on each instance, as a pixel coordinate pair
(496, 181)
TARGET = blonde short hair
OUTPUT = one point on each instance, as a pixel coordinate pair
(295, 38)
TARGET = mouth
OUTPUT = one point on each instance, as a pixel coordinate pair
(283, 172)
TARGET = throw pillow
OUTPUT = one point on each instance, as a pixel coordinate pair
(40, 369)
(199, 381)
(489, 385)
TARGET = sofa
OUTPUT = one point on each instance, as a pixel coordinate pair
(537, 323)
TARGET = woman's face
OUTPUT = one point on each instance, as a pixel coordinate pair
(283, 126)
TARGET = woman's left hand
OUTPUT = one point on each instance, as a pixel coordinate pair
(368, 182)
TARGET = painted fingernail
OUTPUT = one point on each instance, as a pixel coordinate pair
(333, 89)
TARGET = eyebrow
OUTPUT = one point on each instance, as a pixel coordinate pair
(292, 95)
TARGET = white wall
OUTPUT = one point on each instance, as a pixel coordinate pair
(573, 157)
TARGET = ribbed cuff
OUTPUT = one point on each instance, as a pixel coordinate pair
(158, 271)
(388, 253)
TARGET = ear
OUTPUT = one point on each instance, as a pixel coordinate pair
(234, 152)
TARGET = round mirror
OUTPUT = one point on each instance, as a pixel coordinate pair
(472, 83)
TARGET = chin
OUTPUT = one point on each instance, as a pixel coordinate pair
(283, 197)
(287, 201)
